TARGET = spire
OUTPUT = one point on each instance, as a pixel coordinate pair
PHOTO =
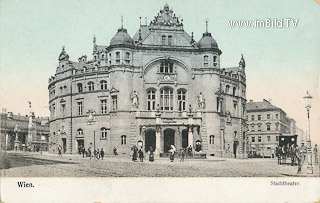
(242, 63)
(121, 22)
(63, 55)
(140, 21)
(207, 25)
(94, 43)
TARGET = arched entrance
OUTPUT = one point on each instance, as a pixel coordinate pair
(235, 146)
(185, 138)
(168, 139)
(150, 139)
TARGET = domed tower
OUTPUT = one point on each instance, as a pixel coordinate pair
(209, 83)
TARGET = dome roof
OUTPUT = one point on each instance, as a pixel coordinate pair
(207, 42)
(122, 37)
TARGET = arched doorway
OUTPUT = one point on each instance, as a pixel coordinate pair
(168, 139)
(185, 138)
(150, 139)
(235, 146)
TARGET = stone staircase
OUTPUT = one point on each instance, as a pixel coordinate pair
(204, 136)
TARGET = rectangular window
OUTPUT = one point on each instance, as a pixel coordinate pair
(253, 139)
(277, 126)
(103, 106)
(252, 128)
(268, 127)
(118, 58)
(277, 138)
(268, 138)
(114, 103)
(80, 108)
(151, 100)
(277, 116)
(259, 127)
(252, 117)
(205, 61)
(53, 110)
(259, 117)
(268, 116)
(259, 139)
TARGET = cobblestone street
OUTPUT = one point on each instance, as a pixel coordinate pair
(50, 165)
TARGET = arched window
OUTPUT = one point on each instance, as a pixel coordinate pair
(102, 56)
(234, 91)
(227, 89)
(211, 139)
(235, 134)
(163, 39)
(80, 132)
(166, 67)
(205, 61)
(90, 86)
(182, 100)
(151, 99)
(214, 59)
(123, 139)
(103, 85)
(166, 99)
(104, 133)
(127, 58)
(80, 88)
(169, 40)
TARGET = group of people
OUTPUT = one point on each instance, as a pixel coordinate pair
(297, 154)
(97, 153)
(138, 153)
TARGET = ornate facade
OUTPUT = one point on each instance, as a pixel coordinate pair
(158, 88)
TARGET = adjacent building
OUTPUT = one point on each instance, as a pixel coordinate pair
(158, 88)
(266, 123)
(23, 133)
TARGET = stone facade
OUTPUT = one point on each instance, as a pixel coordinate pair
(158, 88)
(23, 133)
(266, 123)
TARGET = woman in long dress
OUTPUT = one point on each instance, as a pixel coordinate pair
(172, 151)
(134, 155)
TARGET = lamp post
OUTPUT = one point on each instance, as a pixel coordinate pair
(16, 141)
(307, 99)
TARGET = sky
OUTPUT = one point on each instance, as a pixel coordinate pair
(281, 63)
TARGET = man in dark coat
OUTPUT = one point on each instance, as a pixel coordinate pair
(101, 153)
(141, 154)
(83, 150)
(299, 157)
(135, 151)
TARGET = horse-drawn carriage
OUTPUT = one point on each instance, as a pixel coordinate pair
(286, 149)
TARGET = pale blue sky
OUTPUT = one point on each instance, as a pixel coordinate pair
(282, 63)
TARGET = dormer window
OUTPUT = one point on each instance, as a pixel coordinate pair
(205, 61)
(169, 40)
(166, 67)
(163, 40)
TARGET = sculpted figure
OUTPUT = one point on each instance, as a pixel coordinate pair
(134, 98)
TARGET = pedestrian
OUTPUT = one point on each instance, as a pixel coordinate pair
(315, 152)
(89, 152)
(98, 154)
(183, 153)
(190, 151)
(303, 151)
(115, 151)
(151, 156)
(102, 153)
(140, 152)
(299, 159)
(134, 154)
(172, 151)
(83, 151)
(59, 150)
(292, 154)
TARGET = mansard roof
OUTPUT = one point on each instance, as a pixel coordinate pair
(261, 106)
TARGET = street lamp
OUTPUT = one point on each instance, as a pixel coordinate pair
(307, 99)
(16, 141)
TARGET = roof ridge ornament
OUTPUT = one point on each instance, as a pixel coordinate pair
(166, 17)
(63, 55)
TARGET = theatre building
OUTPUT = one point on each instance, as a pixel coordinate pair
(158, 88)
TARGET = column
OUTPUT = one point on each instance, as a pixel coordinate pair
(158, 147)
(190, 137)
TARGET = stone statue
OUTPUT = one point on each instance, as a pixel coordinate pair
(201, 101)
(134, 98)
(190, 109)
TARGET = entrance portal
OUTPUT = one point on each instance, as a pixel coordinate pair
(235, 146)
(168, 139)
(80, 145)
(185, 138)
(150, 139)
